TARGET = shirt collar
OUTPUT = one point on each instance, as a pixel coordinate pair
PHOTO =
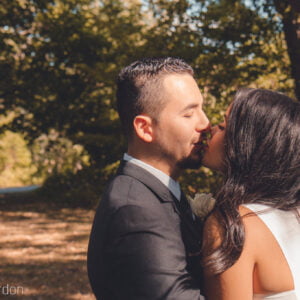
(170, 183)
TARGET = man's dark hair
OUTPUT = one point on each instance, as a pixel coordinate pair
(139, 88)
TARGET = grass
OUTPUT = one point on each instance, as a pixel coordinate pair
(43, 249)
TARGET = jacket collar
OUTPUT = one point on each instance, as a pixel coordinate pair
(149, 180)
(163, 194)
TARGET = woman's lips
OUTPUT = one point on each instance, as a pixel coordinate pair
(202, 143)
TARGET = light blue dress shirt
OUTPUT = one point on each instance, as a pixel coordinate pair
(170, 183)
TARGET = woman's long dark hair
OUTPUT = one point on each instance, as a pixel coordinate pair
(262, 157)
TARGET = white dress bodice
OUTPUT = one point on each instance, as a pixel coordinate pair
(285, 227)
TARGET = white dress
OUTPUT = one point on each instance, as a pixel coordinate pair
(285, 226)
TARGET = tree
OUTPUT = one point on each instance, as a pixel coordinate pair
(289, 13)
(59, 60)
(231, 42)
(16, 166)
(63, 60)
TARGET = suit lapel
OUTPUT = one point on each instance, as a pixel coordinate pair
(192, 230)
(145, 177)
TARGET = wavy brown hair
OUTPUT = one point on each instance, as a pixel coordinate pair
(262, 157)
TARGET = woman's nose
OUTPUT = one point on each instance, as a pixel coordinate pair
(214, 129)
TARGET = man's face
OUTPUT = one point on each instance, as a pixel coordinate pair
(179, 131)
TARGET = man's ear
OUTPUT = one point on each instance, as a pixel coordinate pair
(143, 128)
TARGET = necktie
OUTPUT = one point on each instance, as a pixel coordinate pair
(184, 206)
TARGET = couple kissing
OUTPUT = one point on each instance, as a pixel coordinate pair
(147, 243)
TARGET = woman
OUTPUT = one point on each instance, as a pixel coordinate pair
(251, 247)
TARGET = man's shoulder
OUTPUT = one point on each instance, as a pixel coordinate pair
(126, 190)
(132, 205)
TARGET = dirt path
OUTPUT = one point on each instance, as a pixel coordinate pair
(43, 251)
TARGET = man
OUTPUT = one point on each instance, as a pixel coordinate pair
(144, 241)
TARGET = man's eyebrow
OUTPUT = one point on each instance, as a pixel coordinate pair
(190, 106)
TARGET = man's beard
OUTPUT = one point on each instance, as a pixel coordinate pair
(189, 163)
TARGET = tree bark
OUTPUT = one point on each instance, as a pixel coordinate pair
(290, 13)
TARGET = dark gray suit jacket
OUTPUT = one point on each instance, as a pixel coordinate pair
(141, 245)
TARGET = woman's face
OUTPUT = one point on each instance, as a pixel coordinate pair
(214, 154)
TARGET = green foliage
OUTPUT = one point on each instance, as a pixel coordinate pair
(200, 181)
(49, 155)
(80, 189)
(59, 60)
(16, 168)
(67, 62)
(53, 155)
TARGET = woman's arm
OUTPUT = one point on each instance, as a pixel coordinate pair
(235, 283)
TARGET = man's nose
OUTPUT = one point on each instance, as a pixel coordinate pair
(203, 123)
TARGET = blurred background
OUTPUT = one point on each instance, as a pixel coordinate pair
(59, 129)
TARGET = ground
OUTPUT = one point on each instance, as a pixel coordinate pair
(43, 250)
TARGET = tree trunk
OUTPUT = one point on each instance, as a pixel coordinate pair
(290, 13)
